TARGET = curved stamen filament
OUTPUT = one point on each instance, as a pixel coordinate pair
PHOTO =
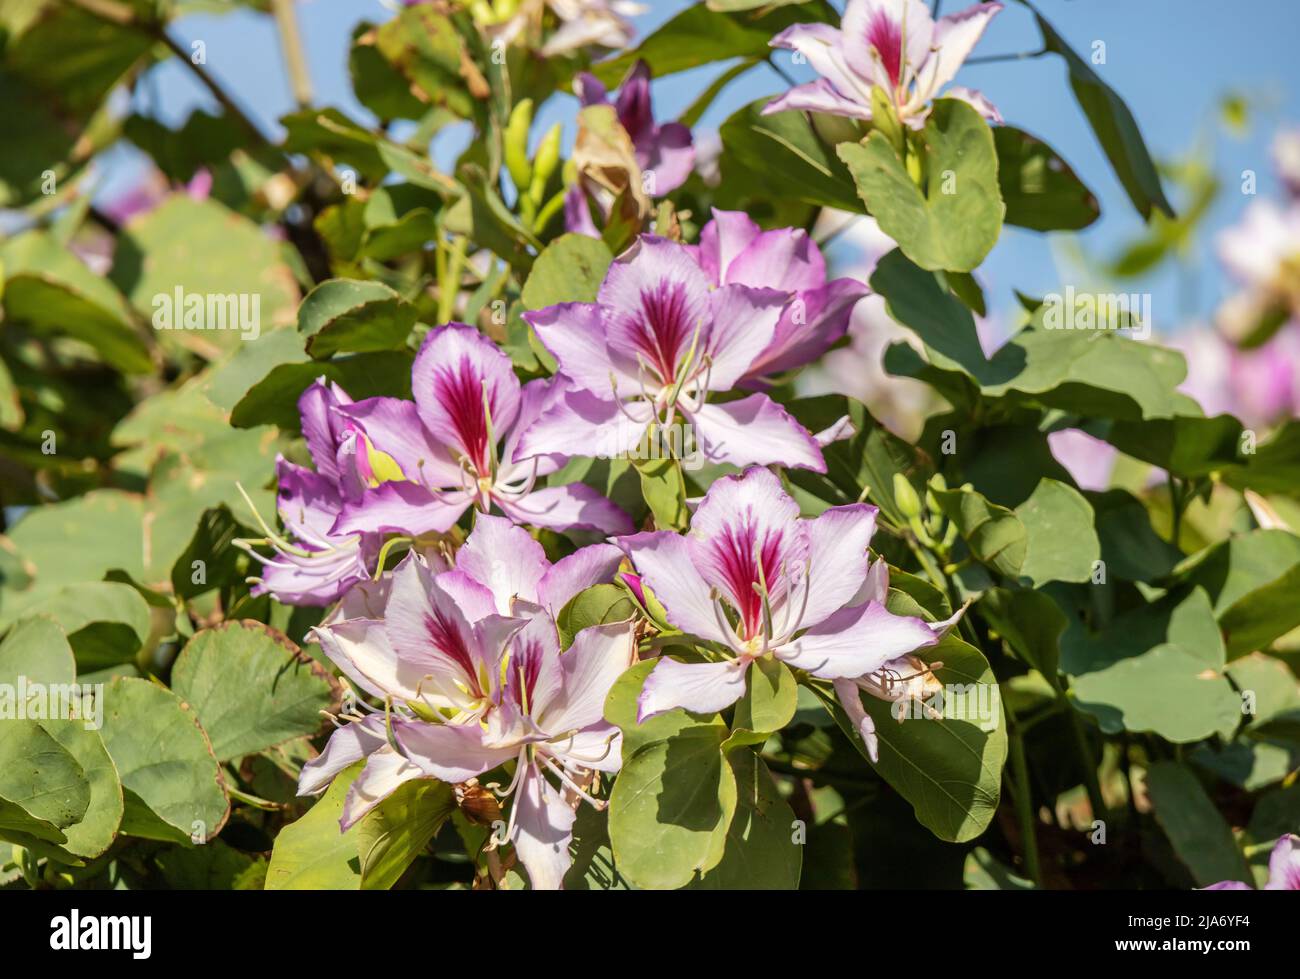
(569, 783)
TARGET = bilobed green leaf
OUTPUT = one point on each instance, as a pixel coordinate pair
(675, 795)
(955, 221)
(173, 784)
(1200, 836)
(348, 315)
(761, 851)
(313, 854)
(767, 705)
(399, 829)
(1039, 188)
(251, 687)
(96, 830)
(36, 648)
(1112, 123)
(994, 534)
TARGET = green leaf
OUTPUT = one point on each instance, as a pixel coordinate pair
(1039, 188)
(1157, 667)
(43, 788)
(274, 399)
(950, 768)
(37, 648)
(698, 36)
(203, 249)
(97, 829)
(675, 795)
(313, 854)
(1031, 623)
(174, 786)
(767, 705)
(348, 315)
(761, 852)
(210, 560)
(664, 489)
(783, 155)
(596, 605)
(251, 687)
(1061, 543)
(51, 292)
(570, 270)
(983, 873)
(1199, 835)
(956, 220)
(397, 831)
(1112, 123)
(107, 623)
(994, 534)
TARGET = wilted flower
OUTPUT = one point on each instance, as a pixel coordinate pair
(893, 44)
(314, 564)
(753, 579)
(733, 249)
(657, 341)
(1283, 869)
(455, 447)
(664, 152)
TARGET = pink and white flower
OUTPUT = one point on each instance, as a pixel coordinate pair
(655, 344)
(455, 447)
(753, 579)
(893, 44)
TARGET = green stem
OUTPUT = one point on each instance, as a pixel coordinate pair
(450, 284)
(1086, 759)
(1024, 803)
(286, 20)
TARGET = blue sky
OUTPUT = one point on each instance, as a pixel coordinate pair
(1172, 60)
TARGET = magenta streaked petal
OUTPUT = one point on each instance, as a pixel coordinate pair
(701, 688)
(883, 39)
(455, 368)
(746, 532)
(664, 562)
(656, 301)
(755, 430)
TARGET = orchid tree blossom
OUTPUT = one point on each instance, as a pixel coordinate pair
(895, 45)
(466, 689)
(315, 564)
(666, 152)
(454, 448)
(1283, 869)
(582, 23)
(753, 579)
(654, 345)
(733, 249)
(1263, 253)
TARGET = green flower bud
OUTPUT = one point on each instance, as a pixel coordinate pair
(905, 496)
(545, 162)
(515, 144)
